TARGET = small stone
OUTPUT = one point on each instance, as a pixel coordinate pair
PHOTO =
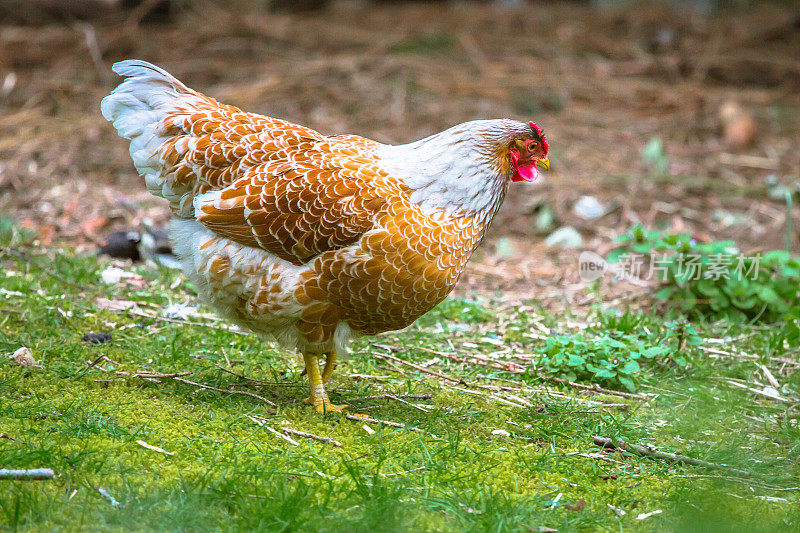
(740, 132)
(97, 338)
(565, 237)
(23, 357)
(589, 207)
(115, 275)
(739, 128)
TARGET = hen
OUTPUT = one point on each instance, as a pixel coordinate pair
(312, 239)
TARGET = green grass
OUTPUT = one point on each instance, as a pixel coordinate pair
(229, 473)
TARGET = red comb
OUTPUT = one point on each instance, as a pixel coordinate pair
(541, 134)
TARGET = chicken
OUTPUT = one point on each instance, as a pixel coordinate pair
(312, 239)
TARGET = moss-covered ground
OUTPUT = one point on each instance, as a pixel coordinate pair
(503, 449)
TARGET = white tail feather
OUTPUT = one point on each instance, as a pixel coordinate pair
(136, 108)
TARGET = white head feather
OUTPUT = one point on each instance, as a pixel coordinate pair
(456, 172)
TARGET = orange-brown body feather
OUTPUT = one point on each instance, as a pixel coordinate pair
(376, 260)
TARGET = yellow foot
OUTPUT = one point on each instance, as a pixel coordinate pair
(325, 406)
(319, 398)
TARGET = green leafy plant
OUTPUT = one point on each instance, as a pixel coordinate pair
(790, 331)
(714, 279)
(601, 359)
(620, 350)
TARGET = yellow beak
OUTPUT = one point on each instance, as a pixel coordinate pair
(544, 164)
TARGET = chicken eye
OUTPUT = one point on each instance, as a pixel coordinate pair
(532, 145)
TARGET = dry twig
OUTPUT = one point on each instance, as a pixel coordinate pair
(143, 444)
(597, 388)
(258, 381)
(103, 492)
(144, 374)
(359, 418)
(154, 316)
(414, 405)
(178, 376)
(227, 391)
(311, 436)
(387, 357)
(263, 423)
(27, 475)
(646, 451)
(392, 397)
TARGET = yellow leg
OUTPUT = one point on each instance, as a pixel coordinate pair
(330, 364)
(319, 398)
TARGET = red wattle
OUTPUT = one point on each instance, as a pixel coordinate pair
(523, 172)
(528, 173)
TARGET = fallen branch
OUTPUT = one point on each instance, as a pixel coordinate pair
(99, 358)
(598, 456)
(27, 475)
(263, 423)
(646, 451)
(415, 406)
(509, 366)
(362, 418)
(90, 40)
(154, 316)
(311, 436)
(258, 381)
(152, 375)
(717, 353)
(597, 388)
(283, 436)
(765, 393)
(498, 398)
(227, 391)
(387, 357)
(178, 376)
(392, 397)
(593, 388)
(366, 376)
